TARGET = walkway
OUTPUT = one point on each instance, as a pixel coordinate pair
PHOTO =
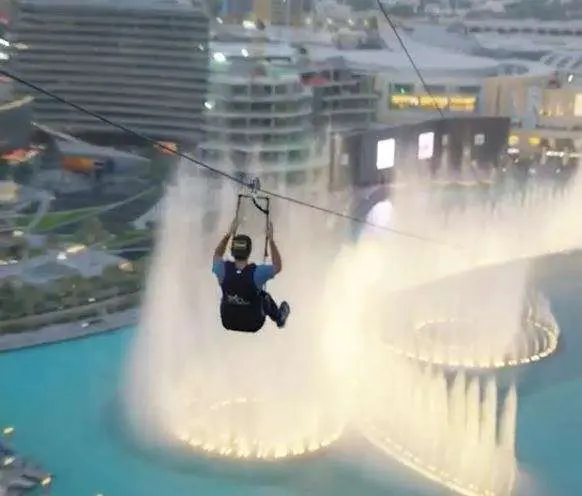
(70, 330)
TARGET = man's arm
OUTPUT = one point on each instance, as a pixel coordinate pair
(221, 247)
(275, 255)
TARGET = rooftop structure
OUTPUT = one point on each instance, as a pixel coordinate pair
(527, 26)
(56, 265)
(452, 59)
(140, 64)
(454, 76)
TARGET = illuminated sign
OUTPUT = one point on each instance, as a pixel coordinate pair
(433, 102)
(385, 154)
(425, 145)
(462, 103)
(455, 103)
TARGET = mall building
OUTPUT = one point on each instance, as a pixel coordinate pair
(542, 97)
(299, 82)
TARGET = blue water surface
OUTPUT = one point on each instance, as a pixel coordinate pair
(61, 399)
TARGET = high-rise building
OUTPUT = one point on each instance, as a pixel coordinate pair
(343, 100)
(271, 109)
(141, 64)
(259, 114)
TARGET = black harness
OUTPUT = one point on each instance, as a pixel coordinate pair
(241, 307)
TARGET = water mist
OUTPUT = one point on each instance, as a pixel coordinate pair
(286, 392)
(261, 395)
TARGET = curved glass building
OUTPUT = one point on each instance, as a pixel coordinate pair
(258, 113)
(143, 65)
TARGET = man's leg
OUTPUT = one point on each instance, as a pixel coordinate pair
(277, 314)
(270, 308)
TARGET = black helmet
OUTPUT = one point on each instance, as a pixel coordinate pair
(241, 247)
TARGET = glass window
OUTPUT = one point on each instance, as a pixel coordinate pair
(470, 90)
(403, 89)
(435, 89)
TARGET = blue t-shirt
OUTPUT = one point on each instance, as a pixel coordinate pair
(263, 273)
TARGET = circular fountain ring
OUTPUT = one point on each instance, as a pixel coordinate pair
(239, 443)
(439, 342)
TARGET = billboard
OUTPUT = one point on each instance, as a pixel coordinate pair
(425, 145)
(385, 151)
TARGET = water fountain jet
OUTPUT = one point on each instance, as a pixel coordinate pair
(263, 396)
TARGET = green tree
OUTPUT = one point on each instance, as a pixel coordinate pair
(114, 276)
(19, 248)
(126, 282)
(96, 283)
(62, 287)
(141, 266)
(93, 232)
(11, 301)
(34, 299)
(82, 289)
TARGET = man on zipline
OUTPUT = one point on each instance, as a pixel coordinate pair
(245, 304)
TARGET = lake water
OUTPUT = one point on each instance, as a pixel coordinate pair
(61, 400)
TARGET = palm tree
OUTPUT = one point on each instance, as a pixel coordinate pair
(6, 298)
(96, 283)
(83, 289)
(13, 303)
(63, 291)
(33, 298)
(113, 275)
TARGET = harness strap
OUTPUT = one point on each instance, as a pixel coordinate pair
(265, 209)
